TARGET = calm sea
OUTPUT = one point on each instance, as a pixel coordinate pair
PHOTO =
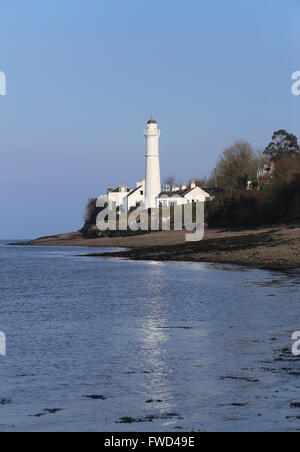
(111, 345)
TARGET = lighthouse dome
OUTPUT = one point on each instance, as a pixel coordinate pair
(152, 121)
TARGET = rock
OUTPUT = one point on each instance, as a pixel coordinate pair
(95, 397)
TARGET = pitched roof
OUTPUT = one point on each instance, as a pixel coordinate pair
(133, 191)
(179, 193)
(117, 190)
(214, 191)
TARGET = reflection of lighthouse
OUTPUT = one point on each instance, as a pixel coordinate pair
(153, 186)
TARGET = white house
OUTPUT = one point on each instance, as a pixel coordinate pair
(116, 196)
(179, 196)
(137, 196)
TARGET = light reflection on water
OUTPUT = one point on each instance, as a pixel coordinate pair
(170, 346)
(152, 343)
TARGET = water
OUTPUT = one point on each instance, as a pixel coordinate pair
(204, 345)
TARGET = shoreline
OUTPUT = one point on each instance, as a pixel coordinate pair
(276, 248)
(75, 239)
(253, 251)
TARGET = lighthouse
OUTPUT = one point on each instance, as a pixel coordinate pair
(153, 185)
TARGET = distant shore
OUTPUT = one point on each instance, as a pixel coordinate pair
(268, 248)
(136, 241)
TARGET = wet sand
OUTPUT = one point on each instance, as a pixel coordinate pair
(272, 249)
(269, 248)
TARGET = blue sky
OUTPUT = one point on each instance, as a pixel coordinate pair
(84, 76)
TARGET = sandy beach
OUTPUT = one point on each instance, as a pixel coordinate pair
(275, 248)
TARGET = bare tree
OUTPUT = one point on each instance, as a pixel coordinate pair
(170, 180)
(237, 165)
(199, 182)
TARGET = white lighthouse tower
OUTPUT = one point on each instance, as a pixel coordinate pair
(153, 185)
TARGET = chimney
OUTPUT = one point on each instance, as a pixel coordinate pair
(193, 184)
(183, 186)
(122, 188)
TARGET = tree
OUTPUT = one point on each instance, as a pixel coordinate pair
(237, 165)
(91, 213)
(199, 182)
(283, 145)
(170, 180)
(286, 170)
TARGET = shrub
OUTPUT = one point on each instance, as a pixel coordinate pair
(277, 203)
